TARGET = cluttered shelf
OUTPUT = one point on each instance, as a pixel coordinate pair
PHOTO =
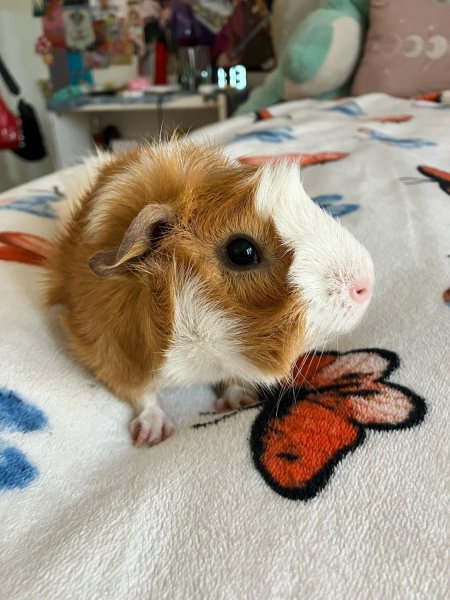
(127, 118)
(105, 102)
(136, 69)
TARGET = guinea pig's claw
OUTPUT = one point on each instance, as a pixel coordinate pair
(151, 427)
(235, 397)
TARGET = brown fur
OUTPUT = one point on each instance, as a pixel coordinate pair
(120, 327)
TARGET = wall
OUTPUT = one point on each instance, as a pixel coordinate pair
(18, 33)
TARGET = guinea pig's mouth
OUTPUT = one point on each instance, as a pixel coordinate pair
(338, 314)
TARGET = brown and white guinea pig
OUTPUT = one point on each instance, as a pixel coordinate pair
(180, 266)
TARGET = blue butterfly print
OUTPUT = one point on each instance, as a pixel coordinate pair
(350, 108)
(276, 135)
(40, 204)
(16, 415)
(407, 143)
(328, 203)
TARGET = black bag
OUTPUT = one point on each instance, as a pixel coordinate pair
(31, 145)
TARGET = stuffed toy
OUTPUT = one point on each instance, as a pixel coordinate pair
(320, 57)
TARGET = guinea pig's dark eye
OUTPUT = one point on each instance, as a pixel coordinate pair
(242, 252)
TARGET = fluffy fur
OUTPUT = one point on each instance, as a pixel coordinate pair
(149, 299)
(327, 259)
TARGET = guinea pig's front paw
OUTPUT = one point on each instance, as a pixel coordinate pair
(235, 397)
(150, 427)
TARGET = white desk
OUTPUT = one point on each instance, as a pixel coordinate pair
(72, 127)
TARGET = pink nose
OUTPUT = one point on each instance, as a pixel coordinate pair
(361, 291)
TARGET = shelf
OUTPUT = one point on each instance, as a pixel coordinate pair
(92, 104)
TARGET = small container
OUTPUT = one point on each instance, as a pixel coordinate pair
(195, 66)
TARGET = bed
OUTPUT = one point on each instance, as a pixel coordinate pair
(84, 514)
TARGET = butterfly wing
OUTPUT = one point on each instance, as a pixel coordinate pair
(382, 405)
(302, 158)
(23, 247)
(355, 385)
(299, 437)
(446, 296)
(297, 452)
(391, 119)
(438, 175)
(263, 115)
(320, 158)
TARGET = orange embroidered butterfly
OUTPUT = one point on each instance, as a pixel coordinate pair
(301, 434)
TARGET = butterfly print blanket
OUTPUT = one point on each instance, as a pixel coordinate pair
(334, 484)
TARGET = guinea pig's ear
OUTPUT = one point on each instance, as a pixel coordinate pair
(143, 233)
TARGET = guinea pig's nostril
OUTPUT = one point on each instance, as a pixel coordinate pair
(361, 290)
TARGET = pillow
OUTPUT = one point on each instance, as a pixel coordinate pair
(407, 50)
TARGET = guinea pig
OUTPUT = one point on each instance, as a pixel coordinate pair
(180, 266)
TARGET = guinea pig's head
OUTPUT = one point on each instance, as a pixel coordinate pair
(254, 272)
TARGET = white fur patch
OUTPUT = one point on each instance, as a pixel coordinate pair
(206, 345)
(327, 258)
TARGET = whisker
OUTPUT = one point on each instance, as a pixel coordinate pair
(284, 385)
(417, 182)
(320, 357)
(305, 358)
(411, 178)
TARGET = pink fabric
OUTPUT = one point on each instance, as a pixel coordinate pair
(407, 49)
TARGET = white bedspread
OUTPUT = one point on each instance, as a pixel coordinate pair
(212, 512)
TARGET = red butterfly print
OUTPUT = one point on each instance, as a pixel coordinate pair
(391, 119)
(430, 97)
(441, 177)
(23, 247)
(446, 296)
(263, 115)
(302, 158)
(301, 434)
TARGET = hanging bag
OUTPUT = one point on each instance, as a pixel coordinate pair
(9, 128)
(29, 143)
